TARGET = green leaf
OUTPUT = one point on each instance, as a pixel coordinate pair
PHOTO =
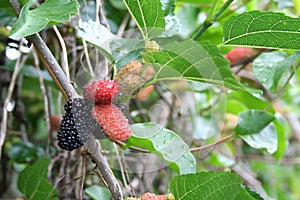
(202, 2)
(34, 20)
(22, 152)
(148, 15)
(270, 67)
(33, 183)
(253, 121)
(263, 29)
(253, 194)
(239, 101)
(164, 143)
(126, 50)
(281, 129)
(188, 16)
(99, 36)
(97, 192)
(29, 71)
(118, 4)
(266, 139)
(209, 186)
(168, 6)
(172, 24)
(194, 61)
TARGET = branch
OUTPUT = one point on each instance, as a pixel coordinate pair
(209, 22)
(53, 67)
(213, 144)
(191, 150)
(17, 68)
(46, 99)
(111, 182)
(68, 91)
(49, 60)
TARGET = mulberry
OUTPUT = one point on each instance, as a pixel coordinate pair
(113, 122)
(77, 124)
(101, 91)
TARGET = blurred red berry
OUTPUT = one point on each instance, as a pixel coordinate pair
(55, 122)
(238, 54)
(101, 91)
(150, 196)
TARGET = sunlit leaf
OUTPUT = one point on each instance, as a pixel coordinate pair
(263, 29)
(164, 143)
(99, 36)
(172, 24)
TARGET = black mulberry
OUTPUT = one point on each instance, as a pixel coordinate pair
(77, 124)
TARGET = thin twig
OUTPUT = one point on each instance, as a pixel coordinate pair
(191, 150)
(53, 67)
(209, 22)
(83, 176)
(85, 50)
(132, 147)
(46, 99)
(247, 175)
(64, 58)
(100, 176)
(132, 193)
(120, 164)
(103, 19)
(18, 66)
(97, 13)
(280, 90)
(270, 160)
(96, 155)
(213, 144)
(123, 25)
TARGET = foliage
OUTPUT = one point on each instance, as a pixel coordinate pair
(276, 31)
(206, 185)
(33, 182)
(200, 100)
(32, 21)
(166, 144)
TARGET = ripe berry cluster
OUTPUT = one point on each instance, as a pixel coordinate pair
(95, 113)
(77, 124)
(109, 116)
(114, 123)
(101, 91)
